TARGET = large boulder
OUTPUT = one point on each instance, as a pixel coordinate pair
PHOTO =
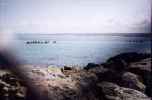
(121, 61)
(143, 65)
(132, 81)
(98, 70)
(143, 69)
(112, 91)
(91, 65)
(131, 57)
(11, 88)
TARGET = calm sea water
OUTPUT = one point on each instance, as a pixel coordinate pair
(79, 50)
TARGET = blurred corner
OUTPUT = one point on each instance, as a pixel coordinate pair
(8, 61)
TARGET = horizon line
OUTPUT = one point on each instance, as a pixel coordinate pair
(106, 34)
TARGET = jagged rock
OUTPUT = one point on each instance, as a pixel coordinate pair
(132, 81)
(11, 87)
(144, 65)
(55, 72)
(39, 72)
(125, 80)
(11, 79)
(121, 61)
(112, 91)
(67, 68)
(68, 71)
(117, 64)
(98, 70)
(130, 57)
(91, 65)
(52, 69)
(110, 75)
(143, 69)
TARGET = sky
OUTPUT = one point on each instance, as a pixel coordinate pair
(75, 16)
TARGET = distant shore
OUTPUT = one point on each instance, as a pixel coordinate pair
(91, 34)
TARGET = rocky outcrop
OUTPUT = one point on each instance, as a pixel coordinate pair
(11, 88)
(123, 77)
(112, 91)
(91, 65)
(121, 61)
(132, 81)
(143, 69)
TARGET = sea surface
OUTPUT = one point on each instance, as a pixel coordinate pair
(76, 49)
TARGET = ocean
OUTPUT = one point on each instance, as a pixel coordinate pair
(76, 49)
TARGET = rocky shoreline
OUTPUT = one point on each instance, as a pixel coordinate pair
(123, 77)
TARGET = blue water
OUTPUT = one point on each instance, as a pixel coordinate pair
(76, 49)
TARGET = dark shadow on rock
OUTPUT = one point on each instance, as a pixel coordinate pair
(121, 61)
(147, 79)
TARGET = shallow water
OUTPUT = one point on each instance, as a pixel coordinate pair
(72, 50)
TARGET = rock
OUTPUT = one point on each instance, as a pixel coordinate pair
(67, 68)
(68, 71)
(52, 69)
(98, 70)
(91, 65)
(78, 85)
(11, 79)
(121, 61)
(50, 72)
(130, 57)
(110, 75)
(40, 72)
(132, 81)
(117, 64)
(144, 65)
(143, 69)
(11, 87)
(112, 91)
(123, 77)
(55, 72)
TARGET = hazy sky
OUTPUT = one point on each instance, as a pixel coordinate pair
(75, 16)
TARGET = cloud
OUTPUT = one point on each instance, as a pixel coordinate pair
(145, 26)
(142, 26)
(89, 17)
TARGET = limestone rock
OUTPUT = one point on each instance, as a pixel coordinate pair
(11, 87)
(115, 92)
(143, 69)
(132, 81)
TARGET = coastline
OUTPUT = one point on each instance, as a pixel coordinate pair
(124, 72)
